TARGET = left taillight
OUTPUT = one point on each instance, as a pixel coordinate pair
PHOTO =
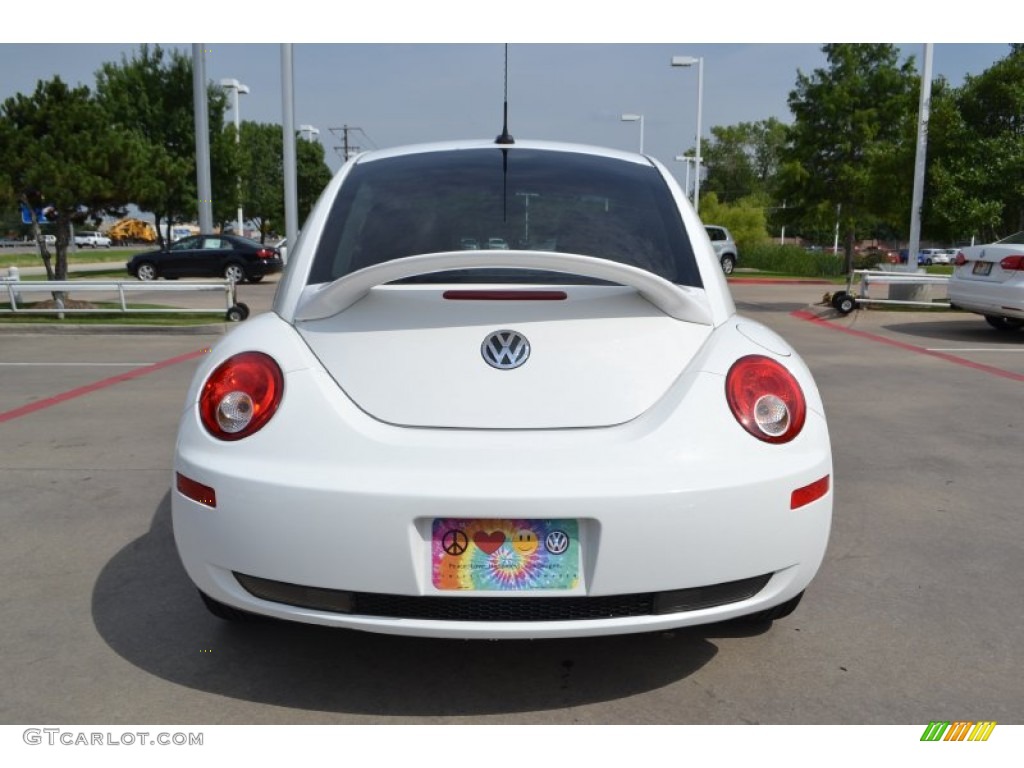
(265, 253)
(241, 395)
(766, 399)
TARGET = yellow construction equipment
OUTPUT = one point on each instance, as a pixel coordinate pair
(128, 231)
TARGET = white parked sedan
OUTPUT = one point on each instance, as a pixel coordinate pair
(989, 280)
(91, 240)
(426, 440)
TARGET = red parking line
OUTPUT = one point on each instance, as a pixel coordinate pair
(73, 393)
(803, 314)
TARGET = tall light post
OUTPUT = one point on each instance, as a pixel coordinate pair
(236, 88)
(686, 159)
(202, 127)
(629, 118)
(689, 61)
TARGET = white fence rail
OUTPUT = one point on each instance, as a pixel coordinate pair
(114, 292)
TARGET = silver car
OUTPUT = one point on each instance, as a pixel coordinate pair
(725, 247)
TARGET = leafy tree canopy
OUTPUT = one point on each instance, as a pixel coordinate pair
(850, 119)
(59, 151)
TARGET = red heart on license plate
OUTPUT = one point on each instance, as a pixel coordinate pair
(489, 542)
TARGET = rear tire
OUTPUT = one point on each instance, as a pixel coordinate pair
(728, 264)
(1004, 323)
(146, 271)
(234, 273)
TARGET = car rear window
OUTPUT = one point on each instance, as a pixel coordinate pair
(496, 199)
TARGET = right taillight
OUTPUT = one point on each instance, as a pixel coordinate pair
(241, 395)
(1012, 263)
(766, 399)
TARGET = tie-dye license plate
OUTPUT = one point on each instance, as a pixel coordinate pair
(505, 555)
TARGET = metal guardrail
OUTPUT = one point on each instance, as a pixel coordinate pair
(118, 291)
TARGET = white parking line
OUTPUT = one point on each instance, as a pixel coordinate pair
(74, 365)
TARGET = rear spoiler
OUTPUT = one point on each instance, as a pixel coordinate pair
(677, 301)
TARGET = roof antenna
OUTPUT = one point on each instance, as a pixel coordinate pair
(505, 137)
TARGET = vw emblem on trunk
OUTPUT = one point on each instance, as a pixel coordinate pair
(505, 350)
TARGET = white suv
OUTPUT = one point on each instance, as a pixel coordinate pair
(92, 240)
(725, 247)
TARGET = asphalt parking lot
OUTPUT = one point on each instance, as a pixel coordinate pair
(916, 614)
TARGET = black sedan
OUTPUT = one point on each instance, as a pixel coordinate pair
(228, 256)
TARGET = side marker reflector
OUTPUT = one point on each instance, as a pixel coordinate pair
(189, 488)
(803, 496)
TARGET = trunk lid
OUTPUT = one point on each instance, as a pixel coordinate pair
(409, 356)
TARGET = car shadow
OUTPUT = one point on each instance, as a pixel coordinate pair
(148, 612)
(971, 329)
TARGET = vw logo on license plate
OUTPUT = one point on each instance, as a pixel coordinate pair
(505, 350)
(556, 542)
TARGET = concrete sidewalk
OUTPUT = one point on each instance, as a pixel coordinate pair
(74, 268)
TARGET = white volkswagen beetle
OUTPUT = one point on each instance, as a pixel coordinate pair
(575, 436)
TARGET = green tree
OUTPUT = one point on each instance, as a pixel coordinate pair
(742, 160)
(850, 119)
(262, 163)
(745, 218)
(977, 174)
(312, 172)
(151, 95)
(58, 151)
(262, 173)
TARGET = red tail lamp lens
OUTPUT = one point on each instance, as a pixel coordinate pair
(765, 399)
(241, 395)
(1012, 263)
(960, 259)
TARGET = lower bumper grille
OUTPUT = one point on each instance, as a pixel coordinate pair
(468, 608)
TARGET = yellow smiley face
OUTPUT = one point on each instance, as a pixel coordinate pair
(524, 542)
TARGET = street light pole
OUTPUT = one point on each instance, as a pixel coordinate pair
(629, 118)
(236, 88)
(202, 124)
(309, 130)
(685, 159)
(689, 61)
(291, 183)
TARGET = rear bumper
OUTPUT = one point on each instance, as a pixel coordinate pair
(987, 298)
(680, 499)
(264, 267)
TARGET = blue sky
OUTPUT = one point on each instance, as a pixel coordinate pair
(422, 89)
